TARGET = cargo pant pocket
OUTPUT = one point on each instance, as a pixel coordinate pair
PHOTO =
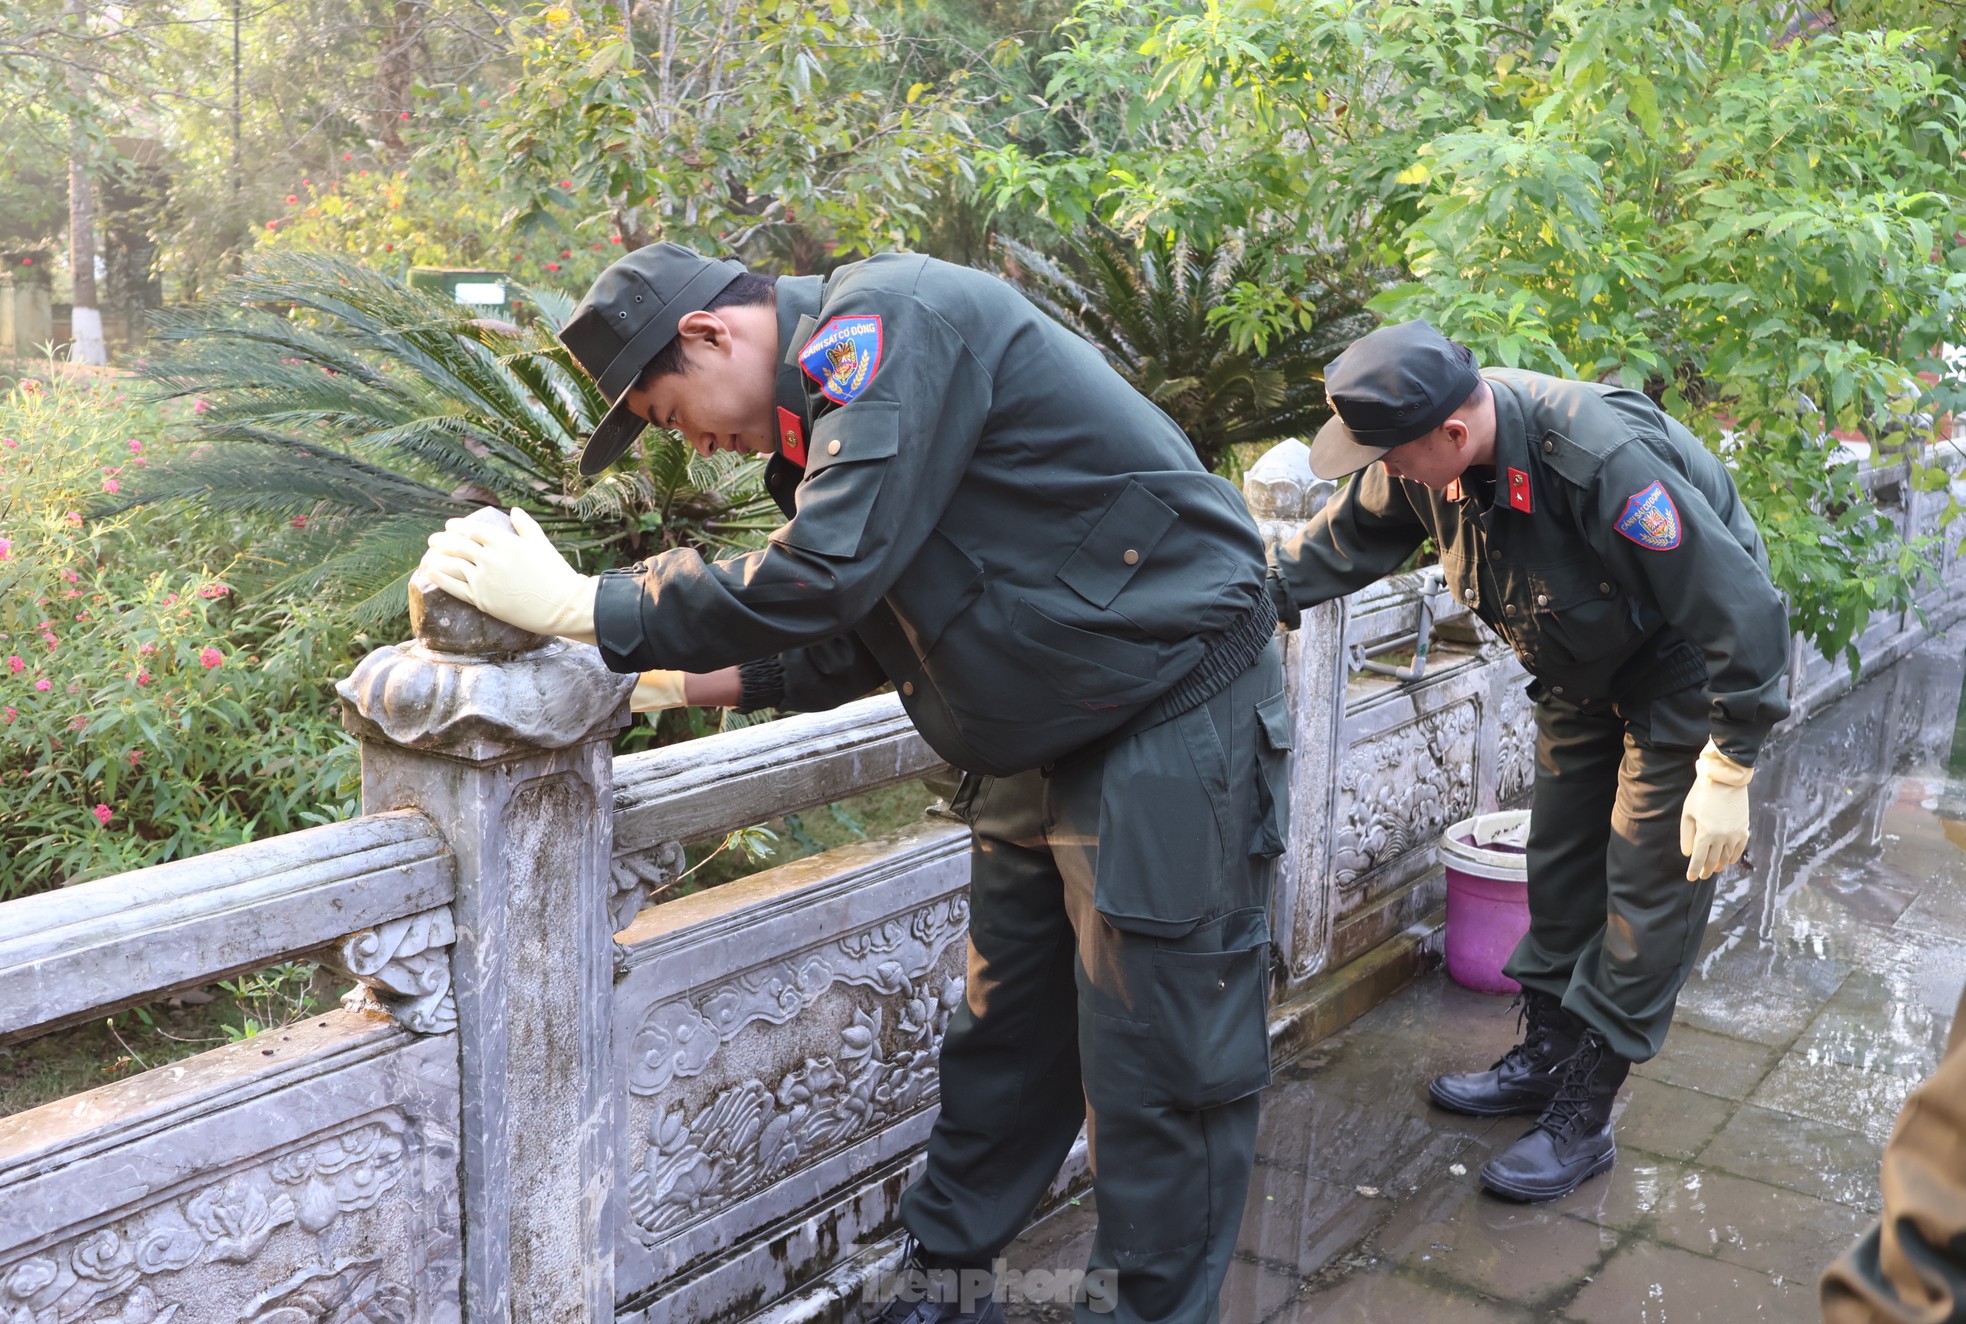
(1211, 1016)
(1271, 829)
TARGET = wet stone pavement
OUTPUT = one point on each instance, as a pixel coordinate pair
(1748, 1149)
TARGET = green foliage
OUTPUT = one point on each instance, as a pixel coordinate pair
(770, 120)
(1754, 223)
(349, 416)
(1156, 311)
(148, 710)
(433, 212)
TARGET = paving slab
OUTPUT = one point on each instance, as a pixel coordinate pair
(1717, 1064)
(1753, 1224)
(1647, 1283)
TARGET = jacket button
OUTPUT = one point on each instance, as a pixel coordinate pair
(1603, 588)
(907, 687)
(1548, 447)
(1130, 556)
(1510, 609)
(1556, 689)
(832, 448)
(1542, 599)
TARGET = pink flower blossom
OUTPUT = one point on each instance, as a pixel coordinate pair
(169, 599)
(12, 713)
(77, 722)
(16, 664)
(213, 591)
(145, 650)
(103, 814)
(136, 447)
(50, 640)
(70, 576)
(73, 593)
(44, 684)
(292, 199)
(200, 405)
(111, 486)
(135, 757)
(9, 443)
(300, 521)
(143, 677)
(211, 657)
(140, 462)
(6, 549)
(74, 517)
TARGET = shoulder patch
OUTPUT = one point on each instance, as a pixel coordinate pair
(1651, 520)
(844, 356)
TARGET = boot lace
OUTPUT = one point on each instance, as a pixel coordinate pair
(1574, 1095)
(1532, 1024)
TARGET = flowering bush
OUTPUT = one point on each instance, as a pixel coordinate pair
(147, 711)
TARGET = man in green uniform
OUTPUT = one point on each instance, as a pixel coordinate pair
(981, 512)
(1610, 549)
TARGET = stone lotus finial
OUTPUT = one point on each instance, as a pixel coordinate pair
(473, 686)
(1280, 487)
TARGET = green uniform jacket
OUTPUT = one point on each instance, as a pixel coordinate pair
(989, 517)
(1612, 553)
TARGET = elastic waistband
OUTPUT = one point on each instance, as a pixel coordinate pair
(1233, 652)
(1680, 666)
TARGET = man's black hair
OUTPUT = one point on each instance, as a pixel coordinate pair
(747, 291)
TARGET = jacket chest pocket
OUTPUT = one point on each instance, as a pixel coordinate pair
(851, 450)
(1572, 613)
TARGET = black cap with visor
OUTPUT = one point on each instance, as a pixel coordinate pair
(1389, 387)
(627, 318)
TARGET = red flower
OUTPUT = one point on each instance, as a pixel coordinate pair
(566, 252)
(348, 156)
(300, 521)
(12, 713)
(44, 684)
(403, 115)
(16, 664)
(135, 757)
(552, 266)
(213, 591)
(27, 261)
(566, 183)
(211, 657)
(143, 677)
(103, 814)
(615, 240)
(292, 198)
(272, 225)
(111, 486)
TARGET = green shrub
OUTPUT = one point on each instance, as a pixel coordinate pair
(147, 711)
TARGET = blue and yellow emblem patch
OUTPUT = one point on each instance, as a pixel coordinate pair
(844, 356)
(1651, 520)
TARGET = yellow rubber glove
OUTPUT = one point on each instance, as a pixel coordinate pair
(514, 574)
(656, 690)
(1713, 827)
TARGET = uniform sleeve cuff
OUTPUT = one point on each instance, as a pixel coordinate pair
(763, 684)
(618, 623)
(1273, 584)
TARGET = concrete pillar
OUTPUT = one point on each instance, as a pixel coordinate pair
(503, 739)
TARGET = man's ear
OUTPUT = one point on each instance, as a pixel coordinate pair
(705, 329)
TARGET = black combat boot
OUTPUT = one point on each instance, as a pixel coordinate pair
(1571, 1141)
(1526, 1077)
(919, 1293)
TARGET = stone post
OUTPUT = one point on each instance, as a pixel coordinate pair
(1283, 495)
(27, 318)
(502, 738)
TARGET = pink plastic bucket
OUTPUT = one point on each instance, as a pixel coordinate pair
(1487, 897)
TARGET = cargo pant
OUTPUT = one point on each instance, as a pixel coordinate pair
(1614, 927)
(1118, 977)
(1910, 1268)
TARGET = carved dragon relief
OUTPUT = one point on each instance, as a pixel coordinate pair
(1399, 791)
(881, 1066)
(164, 1261)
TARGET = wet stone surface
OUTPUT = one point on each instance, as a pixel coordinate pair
(1748, 1149)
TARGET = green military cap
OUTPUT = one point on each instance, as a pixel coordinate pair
(627, 317)
(1388, 387)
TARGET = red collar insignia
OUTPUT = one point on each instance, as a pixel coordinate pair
(1519, 498)
(791, 437)
(1453, 492)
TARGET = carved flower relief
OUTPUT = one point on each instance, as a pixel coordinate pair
(349, 1292)
(347, 1172)
(236, 1219)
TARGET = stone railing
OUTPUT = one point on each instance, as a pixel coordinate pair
(548, 1099)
